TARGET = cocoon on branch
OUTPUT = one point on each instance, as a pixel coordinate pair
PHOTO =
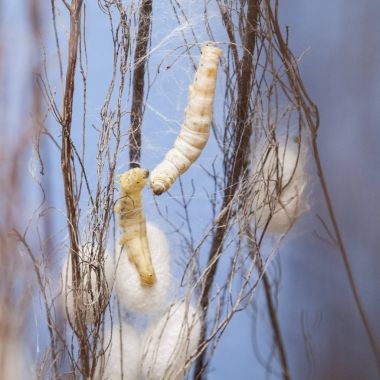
(94, 288)
(279, 187)
(170, 342)
(121, 360)
(132, 223)
(196, 126)
(131, 294)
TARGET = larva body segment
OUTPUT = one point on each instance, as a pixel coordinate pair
(133, 225)
(196, 126)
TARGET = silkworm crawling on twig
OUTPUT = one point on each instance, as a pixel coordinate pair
(196, 126)
(132, 223)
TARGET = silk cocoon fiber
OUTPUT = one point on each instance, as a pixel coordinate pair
(95, 288)
(122, 357)
(279, 188)
(169, 343)
(131, 294)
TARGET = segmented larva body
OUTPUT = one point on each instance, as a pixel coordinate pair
(196, 126)
(133, 225)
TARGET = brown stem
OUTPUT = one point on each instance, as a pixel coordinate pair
(140, 59)
(241, 148)
(275, 326)
(80, 328)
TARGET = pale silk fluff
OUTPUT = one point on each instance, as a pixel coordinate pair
(279, 188)
(121, 360)
(131, 293)
(170, 342)
(195, 130)
(94, 289)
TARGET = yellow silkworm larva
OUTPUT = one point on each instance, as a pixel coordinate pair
(196, 126)
(133, 225)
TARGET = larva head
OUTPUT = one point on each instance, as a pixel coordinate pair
(134, 180)
(163, 176)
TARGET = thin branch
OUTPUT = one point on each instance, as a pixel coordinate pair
(67, 5)
(275, 326)
(69, 177)
(140, 60)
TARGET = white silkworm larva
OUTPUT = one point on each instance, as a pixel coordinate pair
(132, 223)
(196, 126)
(131, 294)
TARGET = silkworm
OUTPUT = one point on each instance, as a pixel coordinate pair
(170, 342)
(195, 130)
(279, 188)
(132, 223)
(133, 296)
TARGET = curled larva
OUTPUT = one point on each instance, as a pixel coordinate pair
(131, 294)
(279, 188)
(94, 288)
(121, 359)
(132, 223)
(170, 342)
(196, 126)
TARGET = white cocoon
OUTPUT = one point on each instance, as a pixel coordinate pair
(279, 188)
(122, 358)
(169, 343)
(131, 294)
(95, 288)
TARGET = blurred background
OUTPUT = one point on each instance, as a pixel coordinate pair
(339, 42)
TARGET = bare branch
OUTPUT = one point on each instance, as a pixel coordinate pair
(140, 60)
